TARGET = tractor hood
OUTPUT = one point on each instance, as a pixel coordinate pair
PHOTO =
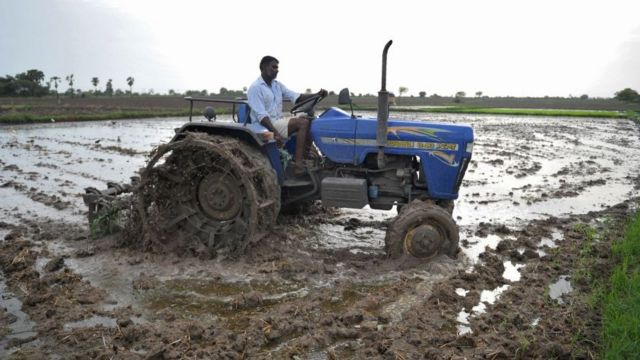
(442, 148)
(348, 140)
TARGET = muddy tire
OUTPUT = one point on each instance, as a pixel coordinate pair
(448, 205)
(422, 230)
(218, 189)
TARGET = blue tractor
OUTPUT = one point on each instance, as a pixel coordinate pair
(226, 182)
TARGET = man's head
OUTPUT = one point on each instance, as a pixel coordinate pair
(269, 68)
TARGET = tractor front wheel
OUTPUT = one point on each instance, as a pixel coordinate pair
(422, 230)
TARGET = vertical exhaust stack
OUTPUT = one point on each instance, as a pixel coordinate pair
(383, 110)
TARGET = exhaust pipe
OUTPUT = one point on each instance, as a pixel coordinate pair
(383, 110)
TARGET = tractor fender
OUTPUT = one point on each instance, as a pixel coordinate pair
(247, 134)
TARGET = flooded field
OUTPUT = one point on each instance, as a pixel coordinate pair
(320, 286)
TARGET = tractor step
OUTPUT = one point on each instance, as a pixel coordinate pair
(296, 183)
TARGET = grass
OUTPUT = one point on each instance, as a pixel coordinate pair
(585, 261)
(40, 110)
(106, 222)
(26, 118)
(608, 114)
(528, 112)
(621, 308)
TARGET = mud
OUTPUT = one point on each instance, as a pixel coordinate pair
(319, 286)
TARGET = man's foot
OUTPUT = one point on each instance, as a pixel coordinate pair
(299, 170)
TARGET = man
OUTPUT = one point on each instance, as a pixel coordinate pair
(265, 99)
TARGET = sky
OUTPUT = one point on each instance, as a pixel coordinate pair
(501, 48)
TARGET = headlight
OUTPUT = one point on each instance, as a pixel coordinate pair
(470, 147)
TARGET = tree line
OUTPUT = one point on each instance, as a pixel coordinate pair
(32, 83)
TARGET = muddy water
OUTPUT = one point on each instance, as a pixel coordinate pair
(523, 169)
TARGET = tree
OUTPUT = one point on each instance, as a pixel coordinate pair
(28, 83)
(478, 93)
(55, 80)
(108, 90)
(402, 90)
(69, 79)
(130, 81)
(584, 96)
(33, 75)
(627, 95)
(459, 96)
(422, 94)
(95, 81)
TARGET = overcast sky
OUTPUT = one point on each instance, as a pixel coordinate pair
(502, 48)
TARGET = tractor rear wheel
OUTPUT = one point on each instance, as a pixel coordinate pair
(422, 230)
(219, 189)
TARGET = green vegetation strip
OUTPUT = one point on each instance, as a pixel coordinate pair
(19, 118)
(621, 308)
(528, 112)
(512, 111)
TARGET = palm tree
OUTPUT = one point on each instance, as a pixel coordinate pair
(55, 80)
(69, 79)
(95, 81)
(130, 81)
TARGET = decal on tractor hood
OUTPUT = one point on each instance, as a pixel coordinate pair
(415, 130)
(393, 143)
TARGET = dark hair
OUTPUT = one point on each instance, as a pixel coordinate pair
(267, 59)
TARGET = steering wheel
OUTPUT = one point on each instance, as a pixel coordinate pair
(307, 105)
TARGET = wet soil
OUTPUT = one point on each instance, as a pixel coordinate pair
(319, 286)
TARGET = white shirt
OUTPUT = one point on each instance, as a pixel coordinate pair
(266, 100)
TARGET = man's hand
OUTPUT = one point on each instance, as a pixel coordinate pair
(279, 139)
(323, 93)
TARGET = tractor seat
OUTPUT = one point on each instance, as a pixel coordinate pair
(242, 112)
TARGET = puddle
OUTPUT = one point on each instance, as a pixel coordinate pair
(486, 297)
(511, 271)
(461, 292)
(97, 320)
(478, 244)
(560, 288)
(490, 296)
(212, 300)
(463, 323)
(91, 322)
(22, 327)
(551, 242)
(365, 240)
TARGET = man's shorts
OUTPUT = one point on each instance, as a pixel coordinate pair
(282, 125)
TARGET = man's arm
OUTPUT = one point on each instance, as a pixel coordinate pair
(304, 97)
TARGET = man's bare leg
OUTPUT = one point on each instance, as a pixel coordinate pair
(301, 127)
